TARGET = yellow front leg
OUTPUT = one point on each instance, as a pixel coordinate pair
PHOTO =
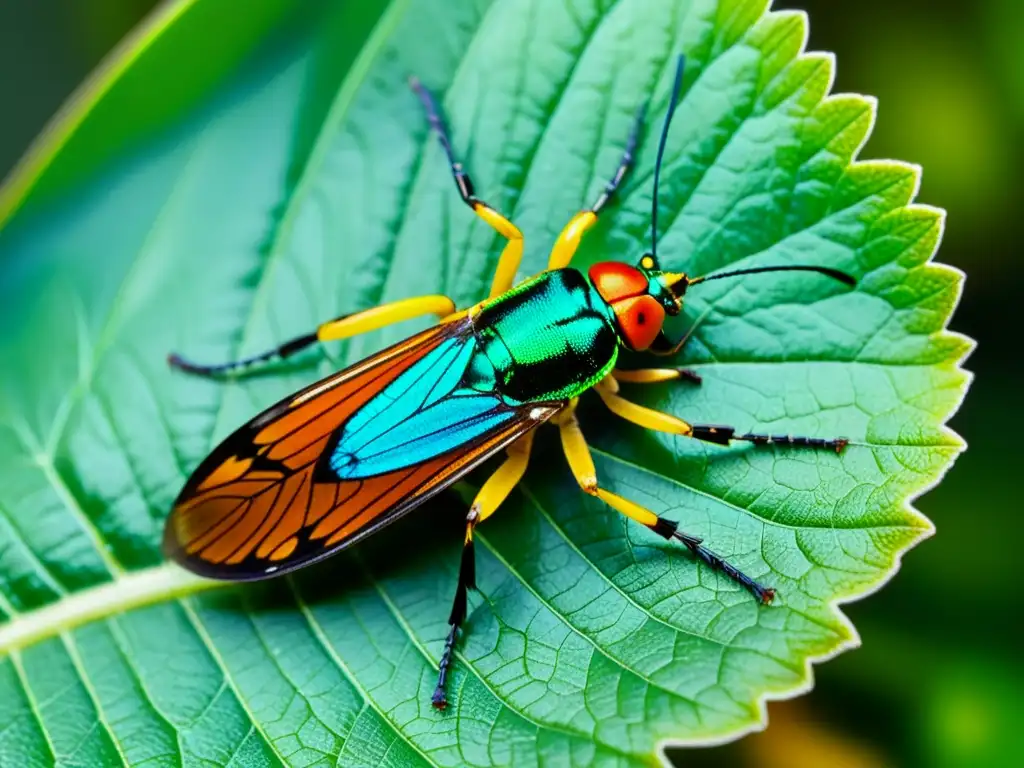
(341, 328)
(384, 315)
(608, 389)
(512, 254)
(577, 453)
(655, 375)
(500, 484)
(569, 240)
(720, 434)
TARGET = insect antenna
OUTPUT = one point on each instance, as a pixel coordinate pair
(835, 274)
(673, 103)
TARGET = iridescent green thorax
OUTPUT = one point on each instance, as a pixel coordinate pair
(550, 338)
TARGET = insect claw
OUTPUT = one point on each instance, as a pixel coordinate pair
(439, 700)
(767, 595)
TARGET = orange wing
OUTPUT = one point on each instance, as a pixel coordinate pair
(262, 504)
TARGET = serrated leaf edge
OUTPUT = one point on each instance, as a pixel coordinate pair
(167, 582)
(927, 528)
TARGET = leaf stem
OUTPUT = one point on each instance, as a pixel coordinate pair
(145, 587)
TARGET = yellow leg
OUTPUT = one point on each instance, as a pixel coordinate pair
(655, 375)
(569, 240)
(500, 484)
(511, 256)
(720, 434)
(577, 453)
(582, 465)
(491, 495)
(341, 328)
(608, 389)
(386, 314)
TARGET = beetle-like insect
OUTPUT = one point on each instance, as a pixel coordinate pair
(344, 457)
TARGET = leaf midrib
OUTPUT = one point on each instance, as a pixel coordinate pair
(164, 582)
(259, 296)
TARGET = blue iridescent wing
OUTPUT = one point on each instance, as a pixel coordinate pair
(344, 457)
(428, 411)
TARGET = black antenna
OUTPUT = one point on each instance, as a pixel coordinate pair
(676, 88)
(829, 272)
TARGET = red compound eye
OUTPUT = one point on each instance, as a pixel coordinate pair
(640, 320)
(616, 281)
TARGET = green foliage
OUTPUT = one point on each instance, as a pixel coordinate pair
(301, 188)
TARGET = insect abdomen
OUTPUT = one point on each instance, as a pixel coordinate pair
(550, 338)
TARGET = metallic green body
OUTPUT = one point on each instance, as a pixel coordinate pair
(550, 338)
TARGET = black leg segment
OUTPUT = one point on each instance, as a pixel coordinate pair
(670, 530)
(467, 581)
(287, 349)
(722, 435)
(625, 164)
(436, 120)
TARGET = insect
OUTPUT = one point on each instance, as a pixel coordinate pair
(350, 454)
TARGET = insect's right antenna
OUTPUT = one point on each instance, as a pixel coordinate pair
(673, 103)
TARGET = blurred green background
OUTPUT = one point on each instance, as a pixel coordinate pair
(939, 679)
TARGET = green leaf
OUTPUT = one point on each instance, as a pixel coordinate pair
(305, 185)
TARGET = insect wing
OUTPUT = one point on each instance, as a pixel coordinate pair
(271, 497)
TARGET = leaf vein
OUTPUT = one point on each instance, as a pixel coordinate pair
(468, 664)
(71, 647)
(219, 660)
(33, 704)
(597, 647)
(322, 639)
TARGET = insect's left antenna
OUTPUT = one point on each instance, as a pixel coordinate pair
(673, 103)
